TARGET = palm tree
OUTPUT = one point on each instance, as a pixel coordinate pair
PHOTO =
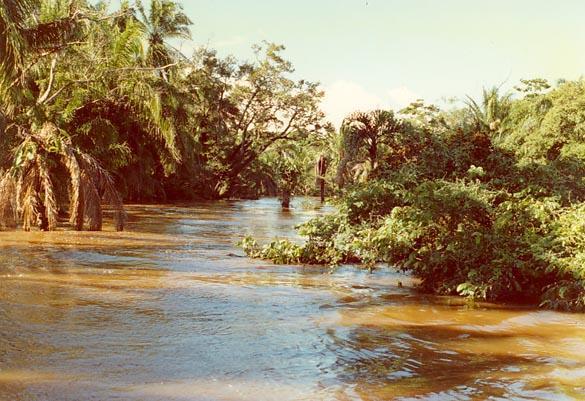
(165, 20)
(26, 39)
(77, 88)
(28, 193)
(490, 112)
(364, 131)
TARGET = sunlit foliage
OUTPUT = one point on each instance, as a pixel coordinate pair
(485, 201)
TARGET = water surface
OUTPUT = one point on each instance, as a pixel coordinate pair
(170, 310)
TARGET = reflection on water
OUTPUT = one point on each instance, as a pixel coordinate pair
(170, 310)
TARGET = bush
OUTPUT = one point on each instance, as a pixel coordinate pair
(467, 210)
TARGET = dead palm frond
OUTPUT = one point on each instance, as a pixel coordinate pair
(49, 202)
(76, 202)
(28, 201)
(8, 205)
(96, 185)
(27, 192)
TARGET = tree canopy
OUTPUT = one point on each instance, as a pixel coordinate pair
(98, 106)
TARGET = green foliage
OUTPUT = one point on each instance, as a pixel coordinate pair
(363, 135)
(279, 251)
(549, 126)
(161, 125)
(458, 203)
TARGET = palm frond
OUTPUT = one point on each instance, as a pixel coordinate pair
(29, 200)
(98, 184)
(49, 200)
(8, 204)
(76, 202)
(127, 46)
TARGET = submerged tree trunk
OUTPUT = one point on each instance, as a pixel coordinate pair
(320, 170)
(285, 199)
(43, 221)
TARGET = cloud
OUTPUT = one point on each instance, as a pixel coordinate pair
(230, 42)
(401, 97)
(344, 97)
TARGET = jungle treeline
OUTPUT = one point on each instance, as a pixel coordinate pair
(483, 198)
(98, 107)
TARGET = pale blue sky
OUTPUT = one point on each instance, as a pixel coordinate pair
(387, 52)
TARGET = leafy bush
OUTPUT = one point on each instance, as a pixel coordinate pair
(457, 203)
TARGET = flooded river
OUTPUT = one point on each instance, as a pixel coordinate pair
(170, 310)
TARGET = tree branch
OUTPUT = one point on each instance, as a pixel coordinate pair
(292, 118)
(164, 67)
(44, 96)
(40, 57)
(239, 126)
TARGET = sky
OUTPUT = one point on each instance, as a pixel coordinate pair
(386, 53)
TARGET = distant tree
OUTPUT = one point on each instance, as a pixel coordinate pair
(248, 108)
(489, 113)
(362, 134)
(288, 163)
(533, 87)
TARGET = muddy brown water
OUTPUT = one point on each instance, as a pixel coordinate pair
(170, 310)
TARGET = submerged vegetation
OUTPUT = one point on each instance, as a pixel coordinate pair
(486, 201)
(96, 107)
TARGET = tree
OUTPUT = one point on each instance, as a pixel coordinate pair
(490, 113)
(288, 164)
(364, 132)
(76, 94)
(247, 109)
(165, 20)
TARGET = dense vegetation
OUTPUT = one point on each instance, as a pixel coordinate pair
(486, 200)
(97, 107)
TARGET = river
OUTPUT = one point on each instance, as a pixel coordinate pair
(170, 310)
